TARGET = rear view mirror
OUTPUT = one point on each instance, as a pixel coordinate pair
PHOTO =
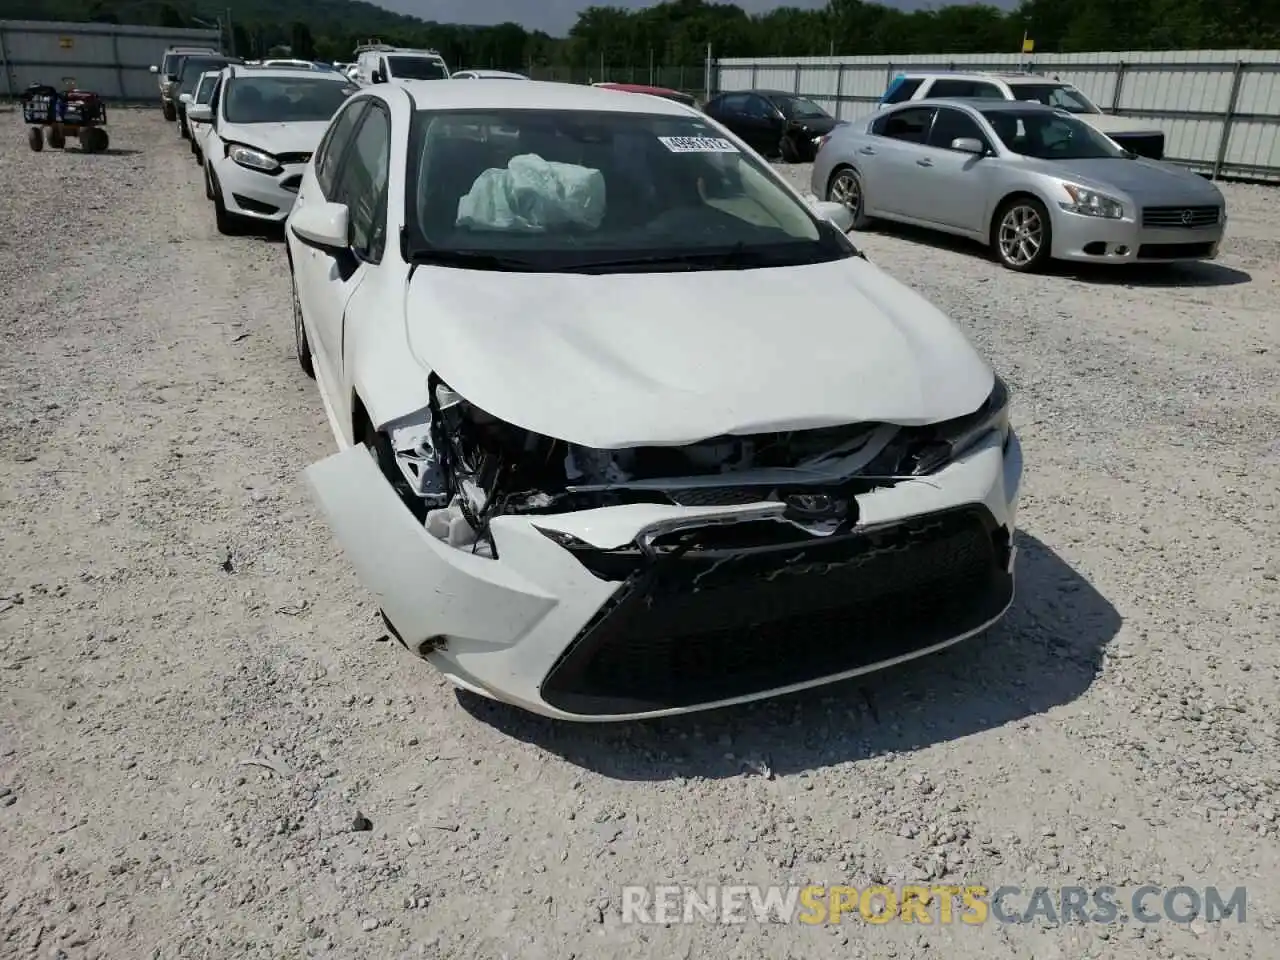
(325, 226)
(968, 145)
(199, 112)
(837, 213)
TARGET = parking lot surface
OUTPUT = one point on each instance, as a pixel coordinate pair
(209, 748)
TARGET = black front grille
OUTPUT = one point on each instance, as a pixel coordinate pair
(1175, 251)
(288, 158)
(292, 183)
(255, 206)
(1182, 217)
(735, 613)
(1150, 145)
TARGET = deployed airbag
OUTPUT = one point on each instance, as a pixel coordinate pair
(533, 195)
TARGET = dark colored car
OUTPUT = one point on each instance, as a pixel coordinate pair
(189, 77)
(775, 123)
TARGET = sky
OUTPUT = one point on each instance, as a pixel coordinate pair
(557, 16)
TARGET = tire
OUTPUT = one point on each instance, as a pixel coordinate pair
(35, 139)
(208, 184)
(845, 186)
(94, 140)
(183, 130)
(57, 139)
(169, 111)
(1022, 234)
(228, 224)
(788, 150)
(305, 360)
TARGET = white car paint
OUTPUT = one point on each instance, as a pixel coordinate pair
(486, 75)
(606, 360)
(240, 187)
(202, 95)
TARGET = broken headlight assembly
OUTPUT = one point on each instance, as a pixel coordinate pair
(954, 438)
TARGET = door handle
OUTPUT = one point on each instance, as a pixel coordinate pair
(924, 162)
(866, 150)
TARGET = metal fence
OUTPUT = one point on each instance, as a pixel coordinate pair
(1219, 109)
(111, 60)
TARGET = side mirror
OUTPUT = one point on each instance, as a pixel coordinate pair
(378, 77)
(968, 145)
(185, 97)
(199, 112)
(325, 226)
(154, 68)
(837, 213)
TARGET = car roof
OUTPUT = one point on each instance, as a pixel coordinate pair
(493, 74)
(635, 88)
(252, 70)
(534, 95)
(985, 104)
(1009, 78)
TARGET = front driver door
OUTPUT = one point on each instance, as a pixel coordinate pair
(313, 268)
(954, 193)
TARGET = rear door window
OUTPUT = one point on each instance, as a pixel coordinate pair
(910, 125)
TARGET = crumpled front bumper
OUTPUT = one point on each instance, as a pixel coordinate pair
(744, 615)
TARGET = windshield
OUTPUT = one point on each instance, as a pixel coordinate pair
(798, 108)
(192, 67)
(1054, 95)
(204, 89)
(416, 68)
(1050, 136)
(285, 99)
(577, 190)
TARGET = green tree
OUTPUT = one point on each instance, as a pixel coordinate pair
(300, 41)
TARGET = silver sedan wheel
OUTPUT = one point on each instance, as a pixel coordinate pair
(846, 189)
(1021, 235)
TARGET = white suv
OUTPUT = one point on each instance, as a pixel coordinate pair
(1133, 135)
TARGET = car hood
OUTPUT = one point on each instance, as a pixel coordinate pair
(673, 358)
(276, 137)
(1148, 182)
(1110, 123)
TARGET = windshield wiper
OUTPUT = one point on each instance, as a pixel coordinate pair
(737, 257)
(471, 260)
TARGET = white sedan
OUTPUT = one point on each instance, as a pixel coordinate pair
(626, 426)
(265, 122)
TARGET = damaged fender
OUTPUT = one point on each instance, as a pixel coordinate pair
(426, 588)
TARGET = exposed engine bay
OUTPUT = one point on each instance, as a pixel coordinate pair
(462, 467)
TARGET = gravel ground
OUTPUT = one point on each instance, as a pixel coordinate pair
(175, 608)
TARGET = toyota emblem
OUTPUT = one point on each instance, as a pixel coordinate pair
(1186, 216)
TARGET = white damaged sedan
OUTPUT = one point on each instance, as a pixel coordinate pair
(626, 427)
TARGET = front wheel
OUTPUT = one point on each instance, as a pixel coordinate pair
(57, 139)
(1022, 235)
(305, 359)
(35, 139)
(845, 187)
(169, 111)
(227, 222)
(788, 150)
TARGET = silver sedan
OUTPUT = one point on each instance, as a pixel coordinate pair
(1031, 181)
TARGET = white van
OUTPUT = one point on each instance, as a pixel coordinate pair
(379, 63)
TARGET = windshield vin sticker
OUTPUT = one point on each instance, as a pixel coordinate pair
(698, 145)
